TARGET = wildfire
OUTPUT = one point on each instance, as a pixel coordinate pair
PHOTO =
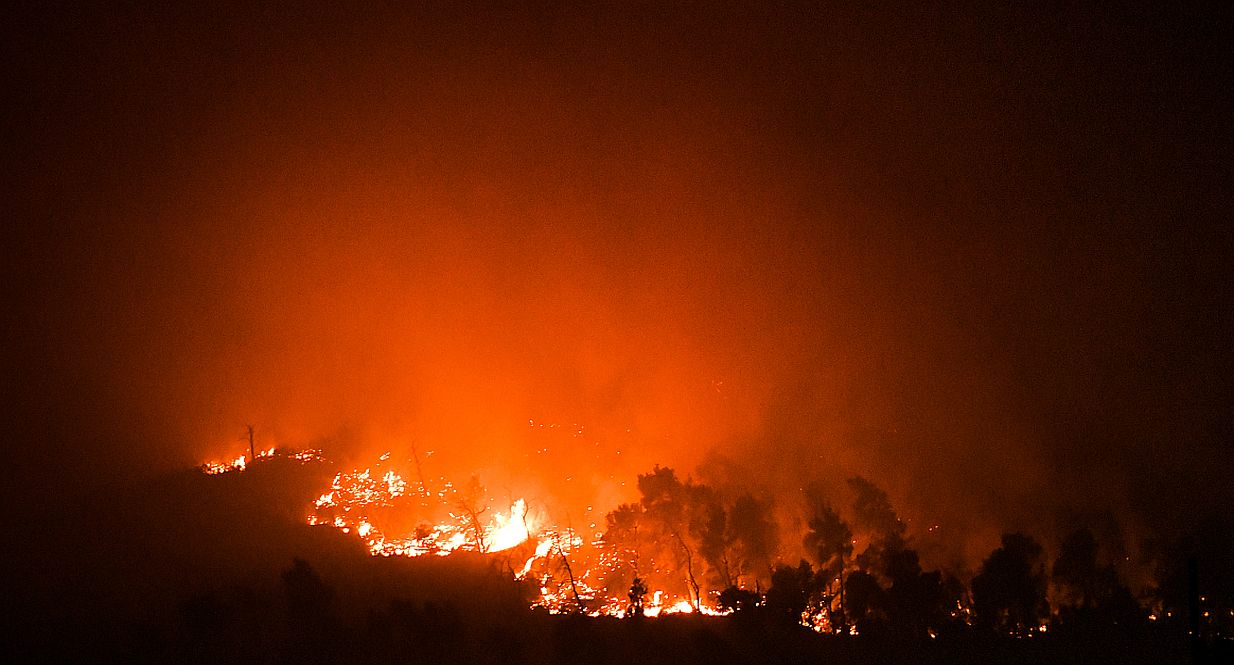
(503, 532)
(373, 504)
(506, 532)
(377, 505)
(242, 462)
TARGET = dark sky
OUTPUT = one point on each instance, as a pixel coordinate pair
(978, 254)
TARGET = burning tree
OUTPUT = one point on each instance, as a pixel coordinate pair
(794, 594)
(1009, 591)
(831, 541)
(685, 531)
(621, 547)
(684, 541)
(667, 504)
(1090, 593)
(874, 516)
(472, 502)
(753, 536)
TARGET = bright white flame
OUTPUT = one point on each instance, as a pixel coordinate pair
(506, 532)
(395, 485)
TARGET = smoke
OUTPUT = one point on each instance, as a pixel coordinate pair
(556, 247)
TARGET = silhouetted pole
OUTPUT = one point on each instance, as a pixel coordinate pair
(252, 451)
(578, 602)
(420, 472)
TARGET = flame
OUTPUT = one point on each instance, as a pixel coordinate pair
(241, 462)
(373, 504)
(542, 549)
(507, 532)
(395, 485)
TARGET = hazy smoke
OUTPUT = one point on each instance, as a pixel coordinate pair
(796, 246)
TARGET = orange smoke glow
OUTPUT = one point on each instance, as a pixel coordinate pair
(394, 517)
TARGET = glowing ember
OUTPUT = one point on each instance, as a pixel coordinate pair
(374, 504)
(242, 462)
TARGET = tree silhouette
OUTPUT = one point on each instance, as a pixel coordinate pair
(831, 541)
(637, 594)
(914, 599)
(874, 516)
(1009, 590)
(687, 529)
(666, 501)
(1088, 592)
(1076, 572)
(709, 525)
(472, 501)
(872, 509)
(738, 600)
(865, 602)
(623, 542)
(792, 590)
(753, 537)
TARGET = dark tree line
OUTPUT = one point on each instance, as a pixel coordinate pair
(861, 573)
(687, 538)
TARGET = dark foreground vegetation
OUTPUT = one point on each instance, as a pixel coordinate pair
(303, 621)
(203, 569)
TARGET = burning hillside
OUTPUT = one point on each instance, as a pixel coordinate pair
(386, 550)
(395, 517)
(689, 547)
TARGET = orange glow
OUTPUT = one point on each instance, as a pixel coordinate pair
(375, 503)
(240, 462)
(357, 499)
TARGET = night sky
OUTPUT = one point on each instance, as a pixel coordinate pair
(980, 255)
